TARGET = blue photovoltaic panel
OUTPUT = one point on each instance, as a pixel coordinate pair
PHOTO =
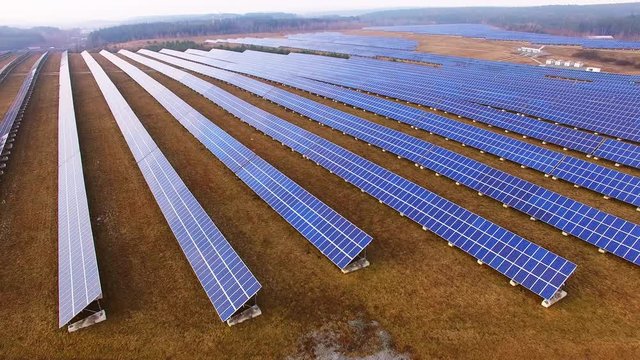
(332, 234)
(534, 267)
(497, 184)
(227, 281)
(621, 152)
(601, 179)
(78, 277)
(596, 227)
(341, 243)
(19, 102)
(225, 278)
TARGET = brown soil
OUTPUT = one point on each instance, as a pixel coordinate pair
(433, 301)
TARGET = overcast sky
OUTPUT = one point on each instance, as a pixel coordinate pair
(57, 12)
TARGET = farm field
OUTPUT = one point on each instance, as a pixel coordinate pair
(418, 299)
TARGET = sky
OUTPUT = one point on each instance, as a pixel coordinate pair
(70, 12)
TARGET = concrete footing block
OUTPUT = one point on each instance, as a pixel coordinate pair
(356, 265)
(95, 318)
(250, 313)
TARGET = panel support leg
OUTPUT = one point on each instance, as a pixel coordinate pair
(94, 318)
(356, 265)
(245, 315)
(555, 298)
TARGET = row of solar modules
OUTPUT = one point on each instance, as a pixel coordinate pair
(494, 33)
(615, 150)
(11, 119)
(541, 102)
(620, 237)
(332, 234)
(6, 69)
(78, 277)
(595, 177)
(528, 264)
(227, 281)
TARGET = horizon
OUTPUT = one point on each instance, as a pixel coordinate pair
(65, 14)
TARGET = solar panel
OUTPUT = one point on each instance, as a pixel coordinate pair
(227, 281)
(621, 152)
(535, 268)
(18, 105)
(78, 277)
(508, 189)
(336, 237)
(599, 178)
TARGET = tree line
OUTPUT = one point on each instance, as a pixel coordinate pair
(239, 25)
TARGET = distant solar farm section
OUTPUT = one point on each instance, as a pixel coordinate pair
(494, 33)
(500, 161)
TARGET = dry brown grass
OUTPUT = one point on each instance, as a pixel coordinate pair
(435, 302)
(506, 50)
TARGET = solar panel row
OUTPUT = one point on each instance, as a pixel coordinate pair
(227, 281)
(6, 69)
(510, 190)
(332, 234)
(78, 277)
(494, 33)
(534, 267)
(14, 113)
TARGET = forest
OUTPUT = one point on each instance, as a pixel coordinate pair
(620, 20)
(252, 23)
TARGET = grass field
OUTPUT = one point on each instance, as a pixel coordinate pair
(419, 298)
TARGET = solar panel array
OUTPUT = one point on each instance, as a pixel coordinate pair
(17, 107)
(332, 234)
(6, 69)
(598, 178)
(78, 277)
(495, 33)
(601, 103)
(536, 268)
(534, 200)
(227, 281)
(285, 69)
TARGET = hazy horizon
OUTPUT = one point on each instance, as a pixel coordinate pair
(27, 13)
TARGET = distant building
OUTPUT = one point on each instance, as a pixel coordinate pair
(530, 51)
(593, 69)
(567, 64)
(601, 37)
